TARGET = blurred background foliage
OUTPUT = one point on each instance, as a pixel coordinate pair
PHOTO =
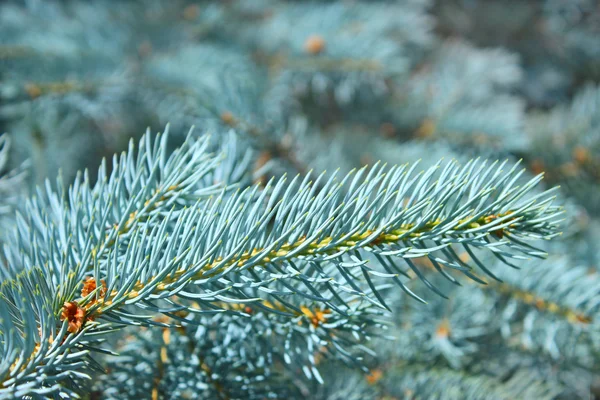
(321, 85)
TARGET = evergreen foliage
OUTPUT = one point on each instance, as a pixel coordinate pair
(376, 199)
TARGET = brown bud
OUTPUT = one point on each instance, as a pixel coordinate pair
(581, 155)
(228, 118)
(314, 45)
(90, 285)
(537, 166)
(316, 317)
(374, 376)
(33, 90)
(426, 129)
(74, 314)
(443, 329)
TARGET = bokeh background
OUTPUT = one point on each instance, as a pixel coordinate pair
(321, 85)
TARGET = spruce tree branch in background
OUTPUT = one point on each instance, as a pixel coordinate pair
(159, 235)
(145, 284)
(11, 182)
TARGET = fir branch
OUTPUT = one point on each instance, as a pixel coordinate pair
(164, 247)
(11, 182)
(427, 381)
(263, 292)
(322, 228)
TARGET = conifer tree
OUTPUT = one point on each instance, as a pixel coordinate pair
(331, 200)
